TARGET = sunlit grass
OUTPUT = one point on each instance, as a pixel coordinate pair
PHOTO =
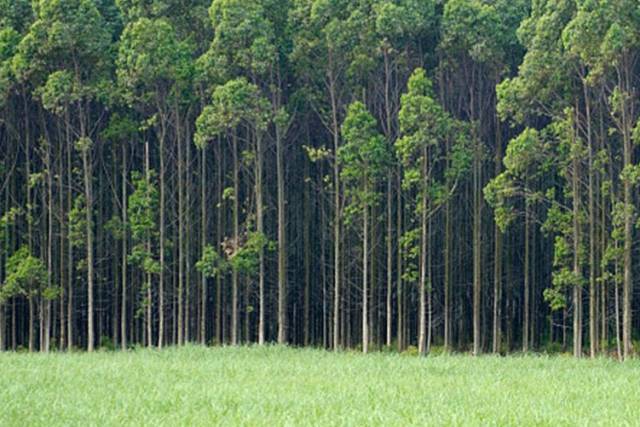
(278, 386)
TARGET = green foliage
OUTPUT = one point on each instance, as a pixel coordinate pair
(152, 64)
(83, 144)
(142, 211)
(524, 154)
(246, 258)
(498, 194)
(430, 139)
(69, 40)
(543, 84)
(243, 42)
(364, 158)
(120, 128)
(211, 263)
(410, 244)
(235, 102)
(78, 222)
(16, 14)
(7, 220)
(525, 159)
(26, 275)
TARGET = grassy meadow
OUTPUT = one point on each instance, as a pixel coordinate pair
(276, 386)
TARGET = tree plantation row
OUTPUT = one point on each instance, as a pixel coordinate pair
(333, 173)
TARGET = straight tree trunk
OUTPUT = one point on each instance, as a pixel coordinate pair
(627, 289)
(593, 304)
(424, 235)
(365, 276)
(282, 243)
(86, 166)
(577, 289)
(497, 250)
(527, 278)
(236, 241)
(161, 237)
(336, 220)
(307, 256)
(125, 220)
(477, 249)
(260, 228)
(181, 219)
(399, 291)
(203, 243)
(389, 295)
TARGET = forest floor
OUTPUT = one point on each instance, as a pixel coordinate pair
(275, 386)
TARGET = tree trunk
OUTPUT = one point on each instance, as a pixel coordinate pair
(477, 248)
(260, 229)
(424, 235)
(203, 243)
(497, 251)
(86, 165)
(577, 289)
(181, 219)
(236, 241)
(125, 220)
(389, 309)
(282, 243)
(527, 278)
(307, 256)
(161, 237)
(400, 294)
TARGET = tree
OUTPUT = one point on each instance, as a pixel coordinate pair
(364, 158)
(26, 275)
(233, 104)
(425, 127)
(68, 42)
(142, 214)
(153, 68)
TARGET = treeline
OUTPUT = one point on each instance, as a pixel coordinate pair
(335, 173)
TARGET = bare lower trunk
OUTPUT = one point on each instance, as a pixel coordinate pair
(203, 242)
(424, 235)
(527, 281)
(260, 227)
(477, 251)
(123, 307)
(282, 243)
(389, 315)
(89, 230)
(236, 238)
(365, 280)
(577, 289)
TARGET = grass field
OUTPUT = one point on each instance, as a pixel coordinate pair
(279, 386)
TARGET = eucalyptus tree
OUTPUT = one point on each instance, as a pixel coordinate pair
(526, 159)
(6, 222)
(235, 104)
(364, 159)
(543, 90)
(28, 276)
(211, 264)
(66, 51)
(475, 44)
(619, 36)
(426, 129)
(142, 213)
(387, 40)
(251, 40)
(153, 67)
(324, 36)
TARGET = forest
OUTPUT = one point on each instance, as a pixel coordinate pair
(397, 175)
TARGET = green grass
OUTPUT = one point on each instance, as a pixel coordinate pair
(279, 386)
